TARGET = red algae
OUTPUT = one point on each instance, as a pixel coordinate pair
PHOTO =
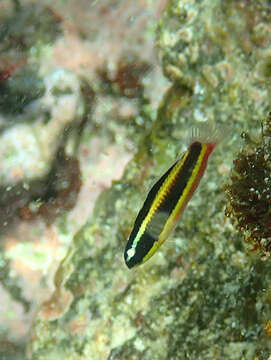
(248, 194)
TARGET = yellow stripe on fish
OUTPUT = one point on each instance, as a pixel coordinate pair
(166, 202)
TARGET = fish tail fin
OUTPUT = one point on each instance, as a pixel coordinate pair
(209, 133)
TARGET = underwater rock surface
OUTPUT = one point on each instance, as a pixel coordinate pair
(201, 296)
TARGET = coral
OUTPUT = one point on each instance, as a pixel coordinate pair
(249, 191)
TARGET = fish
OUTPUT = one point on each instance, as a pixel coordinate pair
(169, 196)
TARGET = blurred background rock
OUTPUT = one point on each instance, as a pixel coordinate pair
(75, 83)
(82, 96)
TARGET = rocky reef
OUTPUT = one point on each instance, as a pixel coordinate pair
(203, 295)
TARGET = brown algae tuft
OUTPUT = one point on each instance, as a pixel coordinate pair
(249, 191)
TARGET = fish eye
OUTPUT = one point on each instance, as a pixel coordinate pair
(130, 253)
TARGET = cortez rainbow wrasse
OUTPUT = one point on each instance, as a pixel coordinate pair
(168, 198)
